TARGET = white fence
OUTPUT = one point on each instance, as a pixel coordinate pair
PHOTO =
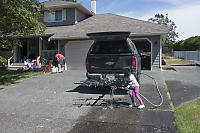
(188, 55)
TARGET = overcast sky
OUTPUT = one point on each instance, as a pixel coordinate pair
(185, 13)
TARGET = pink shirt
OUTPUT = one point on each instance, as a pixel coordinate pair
(59, 56)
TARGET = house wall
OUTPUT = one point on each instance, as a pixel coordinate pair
(81, 16)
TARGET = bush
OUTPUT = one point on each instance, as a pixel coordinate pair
(165, 57)
(3, 60)
(146, 54)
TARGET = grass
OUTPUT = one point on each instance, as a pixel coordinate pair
(173, 61)
(10, 77)
(187, 117)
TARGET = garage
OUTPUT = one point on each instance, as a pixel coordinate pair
(144, 48)
(76, 52)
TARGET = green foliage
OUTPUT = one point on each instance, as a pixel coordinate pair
(3, 60)
(190, 44)
(165, 57)
(146, 54)
(18, 18)
(161, 19)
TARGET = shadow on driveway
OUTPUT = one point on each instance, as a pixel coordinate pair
(93, 90)
(103, 98)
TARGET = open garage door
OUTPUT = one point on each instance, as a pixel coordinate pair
(76, 52)
(144, 48)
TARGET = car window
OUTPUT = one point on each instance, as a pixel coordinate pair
(110, 47)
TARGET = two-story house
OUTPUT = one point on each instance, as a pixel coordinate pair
(69, 22)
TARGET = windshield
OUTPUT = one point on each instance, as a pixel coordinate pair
(110, 47)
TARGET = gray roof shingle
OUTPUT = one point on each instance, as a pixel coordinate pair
(106, 23)
(51, 4)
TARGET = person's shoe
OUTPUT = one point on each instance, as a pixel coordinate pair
(132, 105)
(141, 106)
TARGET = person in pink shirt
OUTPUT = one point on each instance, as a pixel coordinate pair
(133, 86)
(60, 58)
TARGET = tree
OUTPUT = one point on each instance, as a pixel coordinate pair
(19, 18)
(161, 19)
(190, 44)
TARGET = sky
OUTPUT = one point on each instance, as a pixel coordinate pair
(185, 13)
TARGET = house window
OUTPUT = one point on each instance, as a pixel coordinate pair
(54, 16)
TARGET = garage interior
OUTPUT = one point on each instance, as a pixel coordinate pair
(144, 48)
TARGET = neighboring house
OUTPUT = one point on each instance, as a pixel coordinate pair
(68, 23)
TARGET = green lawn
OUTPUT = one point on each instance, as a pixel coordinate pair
(173, 61)
(187, 117)
(9, 77)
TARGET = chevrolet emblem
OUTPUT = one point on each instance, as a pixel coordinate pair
(109, 63)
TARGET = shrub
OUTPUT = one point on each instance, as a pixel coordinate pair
(165, 57)
(3, 60)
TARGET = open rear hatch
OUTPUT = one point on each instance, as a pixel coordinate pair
(110, 52)
(109, 35)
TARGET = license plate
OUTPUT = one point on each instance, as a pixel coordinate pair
(110, 76)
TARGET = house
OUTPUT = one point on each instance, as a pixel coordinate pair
(67, 26)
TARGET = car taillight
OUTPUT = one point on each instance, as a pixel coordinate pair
(133, 62)
(87, 64)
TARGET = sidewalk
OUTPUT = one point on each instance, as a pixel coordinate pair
(198, 62)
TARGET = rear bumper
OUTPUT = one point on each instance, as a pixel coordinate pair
(102, 76)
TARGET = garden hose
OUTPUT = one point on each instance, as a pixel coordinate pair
(156, 84)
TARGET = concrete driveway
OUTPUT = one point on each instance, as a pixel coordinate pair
(52, 103)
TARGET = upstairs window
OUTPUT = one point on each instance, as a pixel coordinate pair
(54, 16)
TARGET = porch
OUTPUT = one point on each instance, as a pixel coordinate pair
(32, 47)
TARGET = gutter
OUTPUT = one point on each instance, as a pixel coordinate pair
(87, 38)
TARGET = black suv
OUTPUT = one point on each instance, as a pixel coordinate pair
(109, 55)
